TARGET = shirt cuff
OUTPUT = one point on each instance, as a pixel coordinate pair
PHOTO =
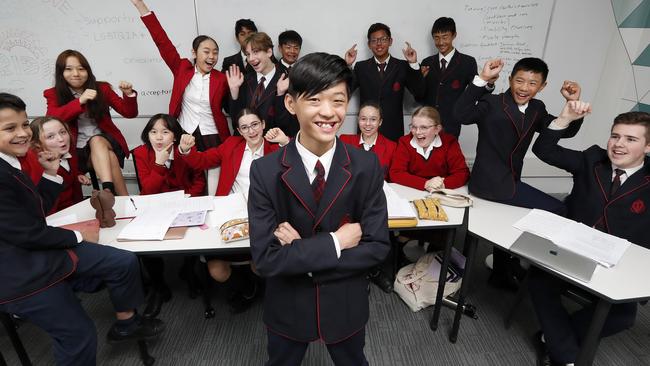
(479, 82)
(337, 246)
(53, 178)
(555, 126)
(80, 238)
(149, 13)
(415, 66)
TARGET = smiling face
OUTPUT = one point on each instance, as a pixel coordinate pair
(242, 35)
(160, 136)
(252, 130)
(260, 60)
(54, 137)
(15, 134)
(75, 74)
(206, 55)
(444, 41)
(627, 145)
(369, 122)
(320, 116)
(290, 52)
(524, 85)
(379, 43)
(424, 130)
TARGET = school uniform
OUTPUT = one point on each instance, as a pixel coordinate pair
(229, 157)
(382, 147)
(72, 111)
(621, 213)
(388, 90)
(193, 111)
(313, 290)
(443, 88)
(283, 67)
(236, 59)
(412, 166)
(41, 267)
(268, 106)
(174, 175)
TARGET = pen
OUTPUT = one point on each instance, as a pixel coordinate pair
(133, 203)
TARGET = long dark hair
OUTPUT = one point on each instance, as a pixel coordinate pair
(97, 108)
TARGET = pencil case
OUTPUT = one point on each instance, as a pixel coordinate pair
(430, 209)
(234, 230)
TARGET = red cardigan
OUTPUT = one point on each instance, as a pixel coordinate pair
(71, 192)
(384, 148)
(228, 155)
(447, 161)
(183, 70)
(68, 113)
(154, 178)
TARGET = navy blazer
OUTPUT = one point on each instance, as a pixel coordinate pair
(388, 91)
(504, 135)
(238, 60)
(331, 304)
(442, 90)
(625, 213)
(33, 256)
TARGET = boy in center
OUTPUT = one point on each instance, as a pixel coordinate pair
(318, 217)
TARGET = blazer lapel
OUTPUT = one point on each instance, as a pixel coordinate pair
(635, 181)
(238, 156)
(603, 172)
(295, 178)
(337, 179)
(511, 110)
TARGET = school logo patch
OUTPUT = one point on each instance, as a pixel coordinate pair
(638, 207)
(455, 84)
(397, 86)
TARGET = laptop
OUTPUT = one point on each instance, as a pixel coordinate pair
(541, 250)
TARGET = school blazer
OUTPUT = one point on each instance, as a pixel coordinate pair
(388, 91)
(504, 135)
(238, 60)
(183, 71)
(625, 213)
(154, 178)
(383, 148)
(33, 256)
(442, 90)
(69, 112)
(228, 155)
(332, 303)
(447, 161)
(270, 107)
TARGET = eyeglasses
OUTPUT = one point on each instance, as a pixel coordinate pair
(420, 128)
(252, 127)
(379, 40)
(371, 120)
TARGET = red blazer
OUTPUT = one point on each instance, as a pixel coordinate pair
(384, 148)
(411, 169)
(68, 113)
(71, 192)
(228, 155)
(183, 70)
(154, 178)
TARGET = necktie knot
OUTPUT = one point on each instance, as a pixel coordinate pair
(259, 90)
(616, 182)
(382, 68)
(443, 65)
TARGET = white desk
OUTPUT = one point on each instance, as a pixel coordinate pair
(455, 215)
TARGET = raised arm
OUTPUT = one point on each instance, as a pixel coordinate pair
(165, 46)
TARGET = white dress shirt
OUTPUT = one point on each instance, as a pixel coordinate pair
(195, 108)
(446, 58)
(86, 126)
(366, 146)
(437, 142)
(242, 180)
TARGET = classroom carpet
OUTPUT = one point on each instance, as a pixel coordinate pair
(394, 335)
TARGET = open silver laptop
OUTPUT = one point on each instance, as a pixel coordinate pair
(543, 251)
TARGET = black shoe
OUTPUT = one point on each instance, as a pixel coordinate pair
(155, 300)
(382, 281)
(543, 357)
(144, 329)
(503, 281)
(239, 302)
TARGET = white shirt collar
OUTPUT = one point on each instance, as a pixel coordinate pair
(385, 61)
(168, 162)
(628, 171)
(448, 57)
(522, 107)
(64, 163)
(243, 56)
(309, 159)
(257, 153)
(369, 146)
(267, 77)
(14, 162)
(437, 142)
(285, 63)
(197, 71)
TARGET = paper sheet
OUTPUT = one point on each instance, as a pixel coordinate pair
(195, 218)
(398, 207)
(175, 200)
(149, 225)
(62, 221)
(226, 208)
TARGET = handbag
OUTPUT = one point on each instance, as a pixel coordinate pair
(448, 197)
(234, 230)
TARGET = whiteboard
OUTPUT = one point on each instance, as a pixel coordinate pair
(118, 46)
(109, 33)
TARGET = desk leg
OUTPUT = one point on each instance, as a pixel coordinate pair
(10, 327)
(471, 253)
(442, 280)
(592, 339)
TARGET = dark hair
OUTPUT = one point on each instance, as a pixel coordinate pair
(634, 118)
(97, 107)
(37, 127)
(316, 72)
(170, 123)
(373, 104)
(533, 64)
(199, 39)
(289, 36)
(10, 101)
(442, 25)
(259, 41)
(378, 27)
(244, 23)
(244, 112)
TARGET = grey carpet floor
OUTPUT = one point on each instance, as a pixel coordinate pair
(394, 335)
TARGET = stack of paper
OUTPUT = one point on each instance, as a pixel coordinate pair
(226, 208)
(149, 225)
(176, 200)
(398, 207)
(581, 239)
